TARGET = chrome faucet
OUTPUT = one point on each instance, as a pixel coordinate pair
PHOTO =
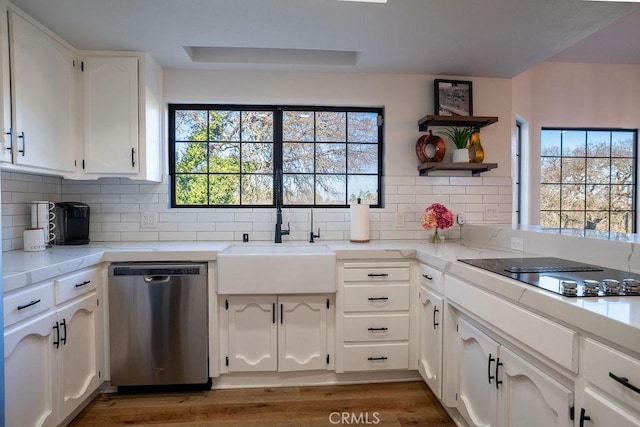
(311, 235)
(279, 231)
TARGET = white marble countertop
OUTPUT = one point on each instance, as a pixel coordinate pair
(613, 319)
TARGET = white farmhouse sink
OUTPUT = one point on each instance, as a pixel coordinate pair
(276, 269)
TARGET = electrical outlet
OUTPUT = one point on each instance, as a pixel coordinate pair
(149, 220)
(400, 219)
(517, 243)
(491, 213)
(460, 219)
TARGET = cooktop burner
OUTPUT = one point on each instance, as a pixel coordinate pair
(563, 277)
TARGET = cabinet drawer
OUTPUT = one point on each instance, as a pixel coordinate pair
(376, 298)
(379, 272)
(432, 278)
(28, 303)
(381, 327)
(601, 362)
(73, 285)
(376, 357)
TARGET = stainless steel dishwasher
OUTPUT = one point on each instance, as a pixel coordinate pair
(158, 324)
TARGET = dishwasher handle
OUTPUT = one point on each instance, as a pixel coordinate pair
(157, 279)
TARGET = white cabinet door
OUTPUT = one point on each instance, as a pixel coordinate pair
(477, 354)
(253, 334)
(528, 397)
(42, 93)
(430, 359)
(110, 86)
(78, 367)
(302, 333)
(30, 373)
(599, 411)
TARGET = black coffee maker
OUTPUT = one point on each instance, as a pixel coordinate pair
(72, 223)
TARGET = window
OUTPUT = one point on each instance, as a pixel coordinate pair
(588, 179)
(229, 155)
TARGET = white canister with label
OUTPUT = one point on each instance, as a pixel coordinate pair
(34, 239)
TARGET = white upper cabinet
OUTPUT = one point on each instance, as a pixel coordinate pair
(110, 115)
(121, 115)
(41, 98)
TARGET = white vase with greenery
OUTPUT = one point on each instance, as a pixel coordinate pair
(459, 136)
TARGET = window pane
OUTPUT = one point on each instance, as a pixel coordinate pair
(257, 189)
(191, 157)
(331, 189)
(297, 126)
(597, 221)
(362, 127)
(622, 144)
(224, 157)
(363, 187)
(550, 219)
(598, 197)
(331, 126)
(622, 171)
(331, 158)
(598, 144)
(257, 126)
(297, 158)
(550, 142)
(598, 171)
(257, 158)
(224, 125)
(191, 189)
(573, 170)
(572, 219)
(574, 143)
(573, 197)
(550, 169)
(363, 158)
(549, 197)
(622, 197)
(298, 189)
(191, 125)
(622, 222)
(224, 189)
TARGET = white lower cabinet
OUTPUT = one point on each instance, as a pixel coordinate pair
(283, 333)
(430, 357)
(498, 388)
(53, 355)
(601, 411)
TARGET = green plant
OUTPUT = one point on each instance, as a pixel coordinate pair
(458, 135)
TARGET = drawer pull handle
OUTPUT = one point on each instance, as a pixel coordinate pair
(378, 329)
(86, 282)
(375, 359)
(377, 275)
(583, 417)
(56, 342)
(426, 276)
(378, 298)
(625, 382)
(34, 302)
(491, 359)
(498, 364)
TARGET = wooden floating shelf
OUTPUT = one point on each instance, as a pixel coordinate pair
(475, 168)
(475, 121)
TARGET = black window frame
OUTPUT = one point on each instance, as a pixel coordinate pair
(634, 207)
(278, 142)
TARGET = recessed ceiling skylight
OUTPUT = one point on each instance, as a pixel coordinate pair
(377, 1)
(247, 55)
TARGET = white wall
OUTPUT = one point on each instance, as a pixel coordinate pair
(556, 94)
(117, 204)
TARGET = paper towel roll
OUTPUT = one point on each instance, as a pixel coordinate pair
(359, 223)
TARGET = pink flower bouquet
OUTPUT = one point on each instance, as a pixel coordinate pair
(436, 216)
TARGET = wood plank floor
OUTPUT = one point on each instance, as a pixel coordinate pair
(388, 404)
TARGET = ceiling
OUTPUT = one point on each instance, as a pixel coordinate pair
(492, 38)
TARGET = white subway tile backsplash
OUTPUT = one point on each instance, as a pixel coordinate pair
(117, 203)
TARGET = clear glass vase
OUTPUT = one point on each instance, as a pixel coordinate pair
(436, 237)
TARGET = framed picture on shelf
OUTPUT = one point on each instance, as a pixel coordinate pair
(453, 97)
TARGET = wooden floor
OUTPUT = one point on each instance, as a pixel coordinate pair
(389, 404)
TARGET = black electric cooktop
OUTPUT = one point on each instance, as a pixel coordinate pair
(563, 277)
